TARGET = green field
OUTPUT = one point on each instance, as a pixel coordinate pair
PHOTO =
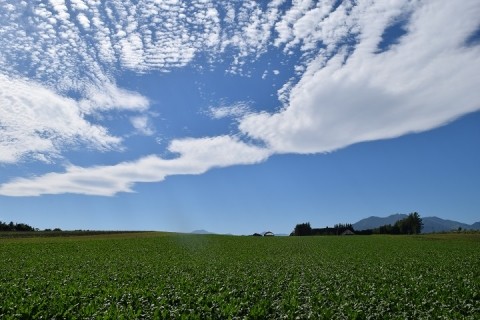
(164, 276)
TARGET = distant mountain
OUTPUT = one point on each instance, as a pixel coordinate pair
(435, 224)
(430, 224)
(375, 222)
(201, 232)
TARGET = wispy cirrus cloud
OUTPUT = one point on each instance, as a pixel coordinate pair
(36, 122)
(195, 156)
(111, 97)
(356, 94)
(237, 110)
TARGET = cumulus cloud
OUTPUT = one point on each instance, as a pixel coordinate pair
(195, 156)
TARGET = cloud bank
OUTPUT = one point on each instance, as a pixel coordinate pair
(355, 82)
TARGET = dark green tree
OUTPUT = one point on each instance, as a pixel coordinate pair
(302, 229)
(412, 224)
(416, 222)
(15, 226)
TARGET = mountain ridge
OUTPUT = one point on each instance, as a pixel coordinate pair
(430, 224)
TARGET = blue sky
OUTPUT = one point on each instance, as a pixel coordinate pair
(237, 117)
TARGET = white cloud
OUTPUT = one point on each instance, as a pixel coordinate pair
(78, 5)
(422, 82)
(250, 33)
(236, 110)
(73, 47)
(346, 92)
(196, 156)
(109, 97)
(83, 20)
(143, 125)
(284, 26)
(61, 9)
(38, 123)
(230, 15)
(83, 44)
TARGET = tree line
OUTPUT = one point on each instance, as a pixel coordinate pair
(15, 226)
(305, 229)
(412, 224)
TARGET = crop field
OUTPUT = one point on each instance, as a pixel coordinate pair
(174, 276)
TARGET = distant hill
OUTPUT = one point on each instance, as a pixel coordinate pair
(201, 232)
(430, 224)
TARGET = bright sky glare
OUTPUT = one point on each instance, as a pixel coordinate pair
(237, 116)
